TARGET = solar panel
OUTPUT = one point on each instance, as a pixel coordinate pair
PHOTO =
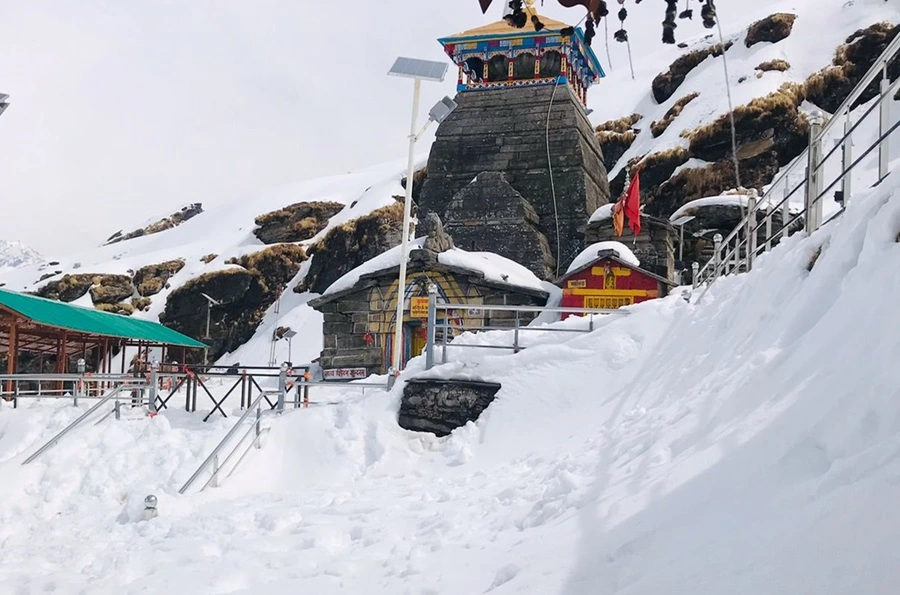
(683, 221)
(419, 69)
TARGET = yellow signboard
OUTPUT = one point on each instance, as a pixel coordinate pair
(418, 307)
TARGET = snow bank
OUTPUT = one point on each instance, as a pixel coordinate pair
(603, 213)
(590, 253)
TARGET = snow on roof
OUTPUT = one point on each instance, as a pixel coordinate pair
(590, 253)
(603, 213)
(727, 200)
(493, 266)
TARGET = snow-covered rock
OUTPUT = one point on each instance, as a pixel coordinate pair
(14, 254)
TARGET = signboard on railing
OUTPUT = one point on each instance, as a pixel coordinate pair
(345, 374)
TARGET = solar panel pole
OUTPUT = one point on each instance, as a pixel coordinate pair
(404, 231)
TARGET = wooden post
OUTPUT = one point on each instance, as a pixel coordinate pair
(12, 355)
(62, 358)
(122, 345)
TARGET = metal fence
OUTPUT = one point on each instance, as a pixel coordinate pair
(756, 233)
(439, 331)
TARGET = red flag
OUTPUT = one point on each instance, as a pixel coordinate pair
(632, 200)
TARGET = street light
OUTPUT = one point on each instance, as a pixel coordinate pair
(3, 103)
(418, 70)
(210, 302)
(680, 223)
(290, 335)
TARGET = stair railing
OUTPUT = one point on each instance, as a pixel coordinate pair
(755, 234)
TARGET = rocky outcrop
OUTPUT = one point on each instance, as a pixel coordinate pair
(616, 137)
(152, 279)
(666, 83)
(347, 246)
(274, 266)
(775, 119)
(123, 308)
(441, 406)
(829, 87)
(773, 29)
(111, 289)
(657, 128)
(295, 223)
(67, 289)
(419, 177)
(776, 65)
(489, 215)
(242, 297)
(141, 303)
(173, 220)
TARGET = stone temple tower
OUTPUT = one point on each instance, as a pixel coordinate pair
(516, 169)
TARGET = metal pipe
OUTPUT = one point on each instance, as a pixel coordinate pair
(52, 442)
(221, 444)
(884, 148)
(429, 330)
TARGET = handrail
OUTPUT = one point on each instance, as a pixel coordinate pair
(255, 405)
(53, 441)
(751, 226)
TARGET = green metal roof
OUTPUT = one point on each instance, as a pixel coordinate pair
(94, 322)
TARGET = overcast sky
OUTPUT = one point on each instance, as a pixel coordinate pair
(125, 110)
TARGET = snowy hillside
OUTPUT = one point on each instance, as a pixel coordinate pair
(746, 443)
(16, 254)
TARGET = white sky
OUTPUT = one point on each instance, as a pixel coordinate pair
(125, 110)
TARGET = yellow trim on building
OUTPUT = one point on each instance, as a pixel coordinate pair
(651, 293)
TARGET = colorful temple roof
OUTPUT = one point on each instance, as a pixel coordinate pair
(499, 55)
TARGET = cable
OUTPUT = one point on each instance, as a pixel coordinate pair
(606, 34)
(737, 168)
(630, 63)
(552, 184)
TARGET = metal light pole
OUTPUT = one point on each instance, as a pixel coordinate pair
(207, 339)
(418, 70)
(290, 335)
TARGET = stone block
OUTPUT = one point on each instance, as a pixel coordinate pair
(441, 406)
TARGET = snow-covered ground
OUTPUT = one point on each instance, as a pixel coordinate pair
(748, 442)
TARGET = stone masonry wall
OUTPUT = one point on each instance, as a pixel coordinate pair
(505, 131)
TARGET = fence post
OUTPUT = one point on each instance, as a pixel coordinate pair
(717, 255)
(154, 384)
(118, 408)
(432, 317)
(282, 386)
(884, 148)
(847, 160)
(751, 228)
(768, 246)
(786, 208)
(81, 367)
(444, 325)
(813, 206)
(258, 419)
(695, 273)
(516, 335)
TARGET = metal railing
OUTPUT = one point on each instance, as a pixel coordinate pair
(213, 458)
(127, 385)
(514, 323)
(756, 233)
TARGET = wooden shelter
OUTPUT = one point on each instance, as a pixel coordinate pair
(55, 332)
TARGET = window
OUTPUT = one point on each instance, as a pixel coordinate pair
(551, 64)
(523, 67)
(475, 68)
(498, 68)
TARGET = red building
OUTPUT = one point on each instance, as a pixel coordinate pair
(609, 281)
